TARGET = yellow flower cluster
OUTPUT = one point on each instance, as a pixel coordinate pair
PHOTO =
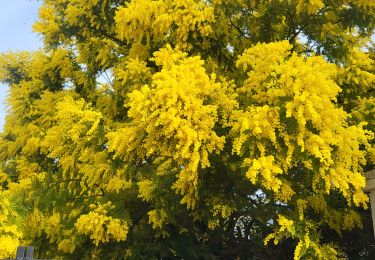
(306, 246)
(219, 211)
(365, 112)
(48, 23)
(265, 167)
(365, 3)
(171, 119)
(158, 218)
(52, 227)
(10, 236)
(130, 75)
(261, 122)
(143, 16)
(284, 98)
(310, 6)
(78, 8)
(357, 75)
(155, 19)
(290, 120)
(146, 188)
(77, 126)
(100, 227)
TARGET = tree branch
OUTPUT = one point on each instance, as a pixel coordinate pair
(238, 29)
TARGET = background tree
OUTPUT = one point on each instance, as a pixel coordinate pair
(191, 129)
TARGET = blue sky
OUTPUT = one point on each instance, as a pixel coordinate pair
(16, 20)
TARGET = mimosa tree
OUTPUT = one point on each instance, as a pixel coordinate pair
(215, 129)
